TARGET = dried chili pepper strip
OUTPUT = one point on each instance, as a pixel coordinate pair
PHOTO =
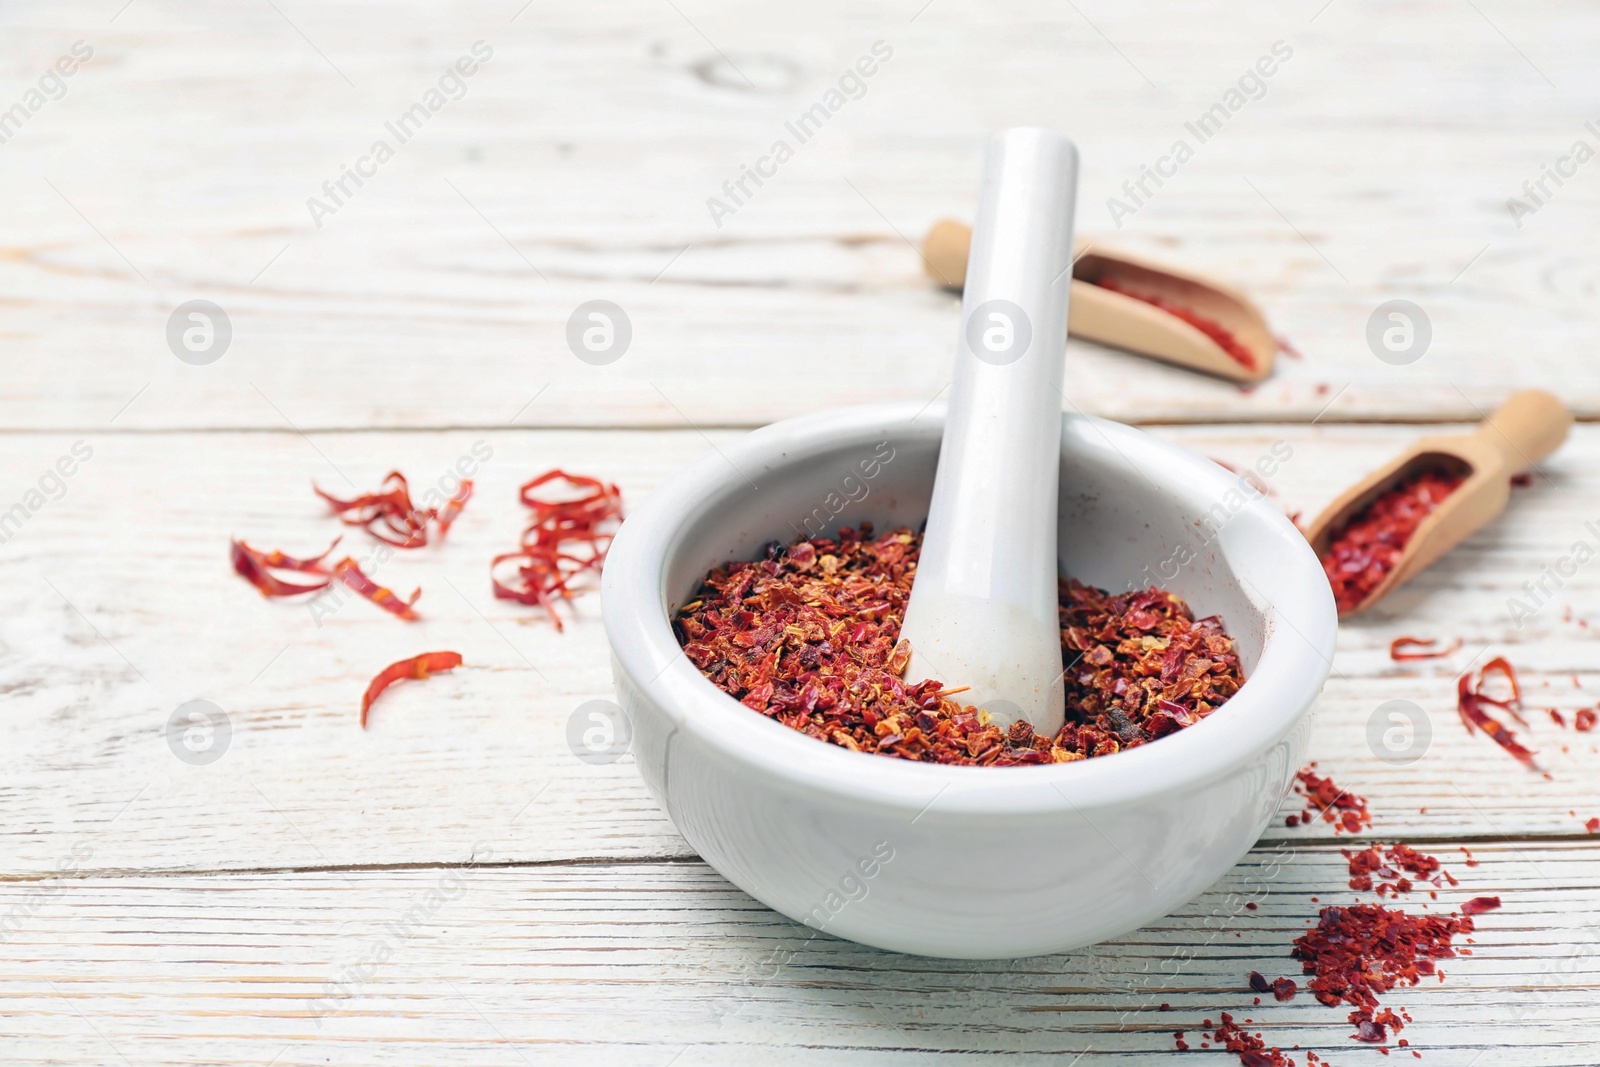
(256, 568)
(810, 637)
(1223, 337)
(1404, 648)
(350, 573)
(452, 507)
(392, 517)
(1363, 552)
(1470, 701)
(417, 667)
(567, 539)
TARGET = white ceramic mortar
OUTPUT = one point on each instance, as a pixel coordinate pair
(970, 862)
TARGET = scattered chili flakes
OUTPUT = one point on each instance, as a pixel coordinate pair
(417, 667)
(256, 567)
(1558, 718)
(1471, 698)
(1479, 905)
(392, 517)
(1347, 811)
(1223, 337)
(1250, 1048)
(1282, 989)
(1593, 826)
(1468, 853)
(809, 637)
(1583, 721)
(1387, 864)
(1363, 552)
(1355, 953)
(1406, 648)
(567, 539)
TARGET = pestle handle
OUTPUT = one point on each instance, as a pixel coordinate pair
(1527, 427)
(983, 608)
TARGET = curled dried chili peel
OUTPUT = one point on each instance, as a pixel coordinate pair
(256, 567)
(810, 637)
(1219, 334)
(392, 517)
(1470, 704)
(452, 507)
(1404, 648)
(350, 573)
(1361, 554)
(417, 667)
(567, 539)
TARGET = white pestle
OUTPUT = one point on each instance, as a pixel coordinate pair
(983, 607)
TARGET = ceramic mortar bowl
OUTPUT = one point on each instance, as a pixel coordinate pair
(970, 862)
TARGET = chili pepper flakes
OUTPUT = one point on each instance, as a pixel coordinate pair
(1282, 989)
(1222, 336)
(1406, 648)
(567, 539)
(1363, 552)
(810, 637)
(1387, 864)
(1347, 811)
(1583, 721)
(1355, 953)
(1479, 905)
(256, 567)
(1251, 1049)
(1471, 699)
(390, 516)
(1593, 825)
(417, 667)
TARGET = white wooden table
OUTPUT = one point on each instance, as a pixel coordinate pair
(452, 885)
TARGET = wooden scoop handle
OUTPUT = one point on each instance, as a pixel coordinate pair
(1527, 427)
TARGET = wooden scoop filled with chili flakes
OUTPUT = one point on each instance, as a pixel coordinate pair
(1399, 519)
(1130, 302)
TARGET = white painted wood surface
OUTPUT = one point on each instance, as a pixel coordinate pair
(158, 912)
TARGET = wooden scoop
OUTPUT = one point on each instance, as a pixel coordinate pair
(1114, 318)
(1522, 431)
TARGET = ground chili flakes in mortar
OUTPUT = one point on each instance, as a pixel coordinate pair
(809, 636)
(1366, 549)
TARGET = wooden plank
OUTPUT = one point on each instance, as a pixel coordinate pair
(661, 963)
(438, 294)
(118, 606)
